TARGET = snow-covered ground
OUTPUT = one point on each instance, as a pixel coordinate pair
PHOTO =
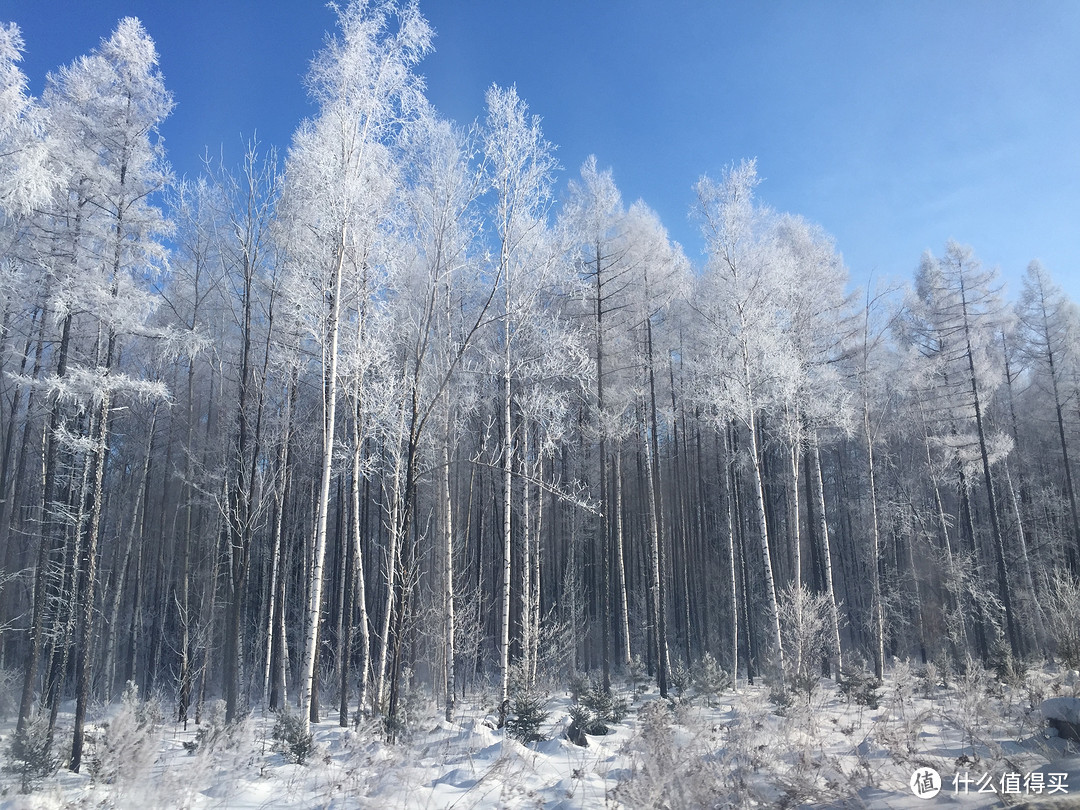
(736, 749)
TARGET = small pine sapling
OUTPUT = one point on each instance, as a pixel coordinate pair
(680, 679)
(593, 711)
(638, 675)
(412, 704)
(291, 737)
(29, 753)
(710, 680)
(861, 686)
(527, 716)
(213, 732)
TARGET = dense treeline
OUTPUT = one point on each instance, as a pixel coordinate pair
(387, 414)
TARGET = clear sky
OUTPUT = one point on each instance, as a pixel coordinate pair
(895, 125)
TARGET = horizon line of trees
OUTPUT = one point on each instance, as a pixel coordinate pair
(387, 414)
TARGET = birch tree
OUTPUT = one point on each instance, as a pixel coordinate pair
(813, 398)
(520, 165)
(339, 173)
(745, 350)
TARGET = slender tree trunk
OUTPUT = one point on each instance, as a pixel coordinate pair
(534, 599)
(361, 574)
(679, 513)
(773, 612)
(620, 543)
(397, 531)
(656, 573)
(346, 597)
(50, 543)
(995, 520)
(793, 510)
(1074, 513)
(448, 574)
(83, 655)
(309, 709)
(742, 530)
(525, 597)
(507, 493)
(727, 480)
(877, 618)
(138, 516)
(818, 488)
(184, 696)
(1034, 618)
(277, 576)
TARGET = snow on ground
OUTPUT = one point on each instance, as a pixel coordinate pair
(736, 749)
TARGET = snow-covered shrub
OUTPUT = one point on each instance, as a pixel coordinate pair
(672, 770)
(213, 732)
(899, 729)
(10, 685)
(972, 707)
(1062, 611)
(555, 648)
(29, 753)
(127, 746)
(805, 624)
(294, 742)
(149, 711)
(654, 743)
(580, 683)
(781, 697)
(903, 685)
(710, 680)
(1010, 671)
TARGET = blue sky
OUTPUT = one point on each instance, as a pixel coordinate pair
(895, 125)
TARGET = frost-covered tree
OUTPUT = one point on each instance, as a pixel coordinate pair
(1050, 324)
(339, 176)
(596, 221)
(743, 349)
(534, 345)
(448, 304)
(25, 179)
(438, 307)
(813, 398)
(955, 318)
(659, 275)
(104, 235)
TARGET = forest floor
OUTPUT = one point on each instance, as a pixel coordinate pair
(986, 738)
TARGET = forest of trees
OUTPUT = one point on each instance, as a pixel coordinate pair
(392, 413)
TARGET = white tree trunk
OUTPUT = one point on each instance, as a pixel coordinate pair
(876, 610)
(817, 485)
(309, 668)
(508, 455)
(361, 588)
(763, 526)
(448, 575)
(624, 612)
